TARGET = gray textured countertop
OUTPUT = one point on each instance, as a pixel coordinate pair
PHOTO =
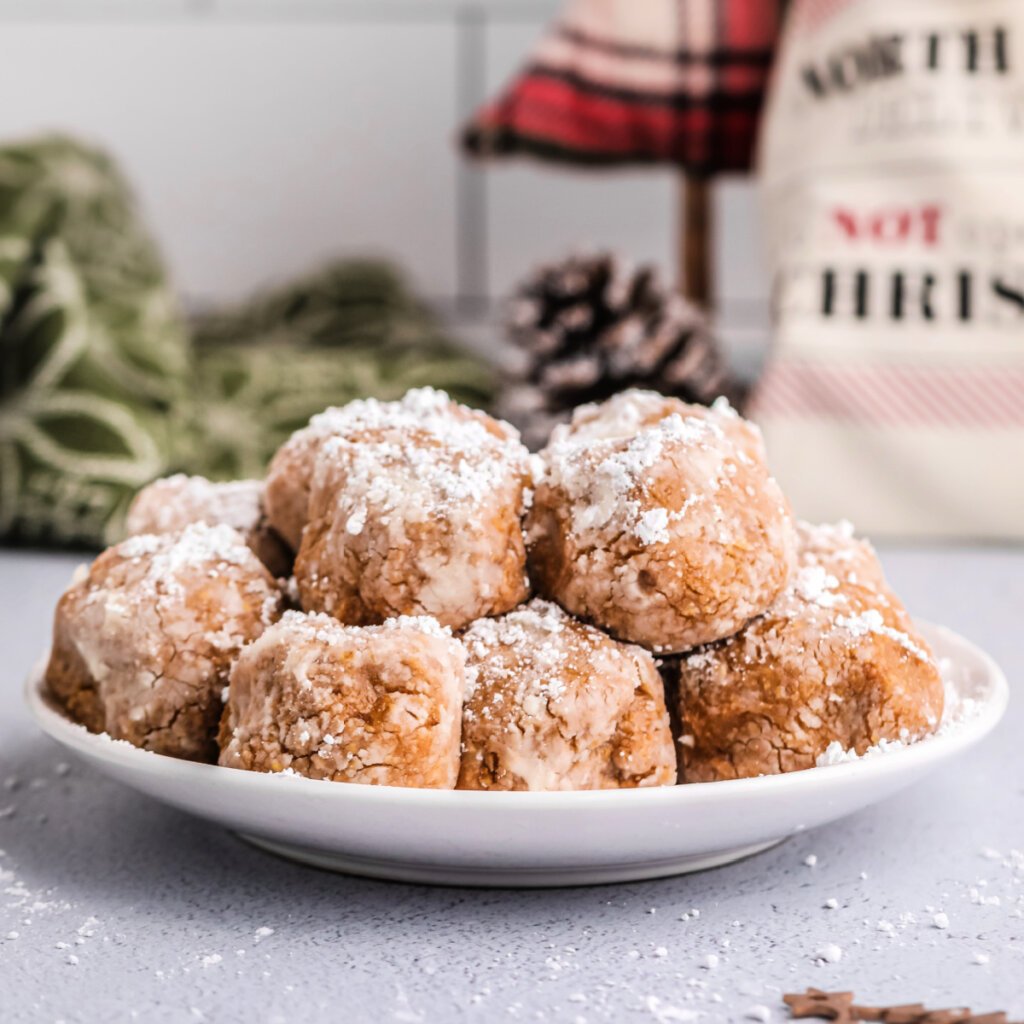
(114, 908)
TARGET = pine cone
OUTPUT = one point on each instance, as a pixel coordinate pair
(590, 327)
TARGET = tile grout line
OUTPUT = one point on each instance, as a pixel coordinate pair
(472, 269)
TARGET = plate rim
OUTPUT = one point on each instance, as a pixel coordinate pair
(121, 754)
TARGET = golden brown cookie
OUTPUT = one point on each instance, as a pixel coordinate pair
(659, 521)
(378, 705)
(835, 660)
(173, 502)
(556, 704)
(418, 515)
(144, 640)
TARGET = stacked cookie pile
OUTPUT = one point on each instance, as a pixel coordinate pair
(411, 599)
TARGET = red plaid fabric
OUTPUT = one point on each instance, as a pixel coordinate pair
(639, 81)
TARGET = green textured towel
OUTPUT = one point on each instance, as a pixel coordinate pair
(101, 386)
(350, 330)
(94, 358)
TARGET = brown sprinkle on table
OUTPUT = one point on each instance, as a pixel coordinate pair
(839, 1006)
(909, 1013)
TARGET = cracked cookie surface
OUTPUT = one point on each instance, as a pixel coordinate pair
(144, 639)
(378, 705)
(659, 521)
(553, 704)
(836, 659)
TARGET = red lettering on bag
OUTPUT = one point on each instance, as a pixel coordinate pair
(889, 227)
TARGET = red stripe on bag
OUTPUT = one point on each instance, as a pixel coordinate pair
(808, 15)
(893, 396)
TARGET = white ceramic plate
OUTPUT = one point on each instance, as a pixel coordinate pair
(540, 839)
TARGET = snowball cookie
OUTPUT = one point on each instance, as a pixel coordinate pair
(625, 414)
(290, 475)
(379, 705)
(173, 502)
(420, 514)
(835, 660)
(552, 703)
(659, 521)
(144, 640)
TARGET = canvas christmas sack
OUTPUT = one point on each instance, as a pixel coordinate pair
(892, 158)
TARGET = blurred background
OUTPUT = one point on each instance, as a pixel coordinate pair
(263, 137)
(219, 216)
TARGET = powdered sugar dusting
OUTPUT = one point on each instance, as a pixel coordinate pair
(652, 526)
(608, 479)
(139, 547)
(325, 629)
(538, 639)
(834, 753)
(168, 503)
(419, 476)
(816, 585)
(420, 408)
(871, 621)
(830, 555)
(629, 411)
(419, 458)
(197, 546)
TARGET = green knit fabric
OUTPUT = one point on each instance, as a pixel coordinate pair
(104, 386)
(94, 357)
(351, 330)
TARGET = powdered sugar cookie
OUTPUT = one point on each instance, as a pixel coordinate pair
(418, 512)
(624, 415)
(667, 530)
(144, 639)
(555, 704)
(290, 475)
(173, 502)
(836, 660)
(377, 705)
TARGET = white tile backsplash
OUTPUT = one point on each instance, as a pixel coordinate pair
(258, 150)
(539, 211)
